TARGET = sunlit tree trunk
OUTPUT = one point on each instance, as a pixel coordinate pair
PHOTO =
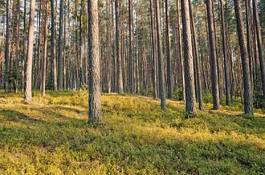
(93, 63)
(188, 58)
(28, 90)
(118, 56)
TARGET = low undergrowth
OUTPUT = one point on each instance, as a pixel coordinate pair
(51, 136)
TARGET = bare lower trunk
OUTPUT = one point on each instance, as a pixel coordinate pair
(188, 58)
(28, 90)
(248, 101)
(213, 59)
(94, 63)
(160, 59)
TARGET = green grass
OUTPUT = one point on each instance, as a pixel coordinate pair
(51, 136)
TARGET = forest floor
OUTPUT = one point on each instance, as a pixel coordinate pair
(51, 136)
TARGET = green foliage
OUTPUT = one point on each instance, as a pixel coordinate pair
(51, 136)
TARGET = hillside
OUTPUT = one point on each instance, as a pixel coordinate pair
(51, 136)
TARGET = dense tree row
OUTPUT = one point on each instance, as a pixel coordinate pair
(180, 49)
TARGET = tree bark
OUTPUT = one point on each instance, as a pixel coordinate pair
(160, 57)
(118, 56)
(260, 44)
(169, 64)
(213, 58)
(196, 58)
(60, 44)
(52, 47)
(188, 58)
(248, 95)
(93, 63)
(225, 54)
(7, 47)
(28, 90)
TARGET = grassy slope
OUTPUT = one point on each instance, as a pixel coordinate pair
(51, 136)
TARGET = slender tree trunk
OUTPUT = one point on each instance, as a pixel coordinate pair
(260, 44)
(169, 64)
(154, 79)
(52, 47)
(179, 49)
(44, 57)
(196, 57)
(213, 59)
(118, 56)
(60, 44)
(131, 63)
(188, 58)
(28, 91)
(7, 47)
(93, 63)
(224, 43)
(160, 57)
(248, 101)
(24, 47)
(109, 46)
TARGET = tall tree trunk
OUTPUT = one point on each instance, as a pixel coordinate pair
(225, 54)
(52, 47)
(7, 47)
(169, 64)
(131, 63)
(154, 75)
(160, 57)
(260, 45)
(44, 55)
(118, 56)
(179, 49)
(109, 46)
(60, 44)
(248, 101)
(24, 47)
(28, 90)
(197, 72)
(93, 63)
(188, 58)
(213, 58)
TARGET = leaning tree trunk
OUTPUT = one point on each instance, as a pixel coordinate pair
(93, 63)
(28, 90)
(213, 59)
(248, 101)
(188, 58)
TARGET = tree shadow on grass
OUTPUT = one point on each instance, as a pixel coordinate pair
(238, 122)
(15, 116)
